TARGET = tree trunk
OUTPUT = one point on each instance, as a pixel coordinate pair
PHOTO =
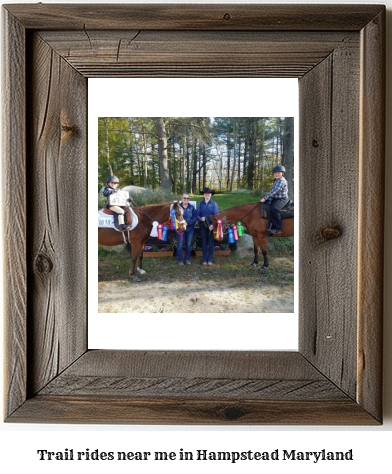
(252, 134)
(105, 126)
(288, 154)
(162, 152)
(194, 165)
(235, 125)
(228, 145)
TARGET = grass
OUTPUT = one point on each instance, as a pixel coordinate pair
(114, 266)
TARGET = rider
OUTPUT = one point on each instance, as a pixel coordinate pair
(276, 199)
(111, 187)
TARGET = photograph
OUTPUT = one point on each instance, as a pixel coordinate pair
(196, 214)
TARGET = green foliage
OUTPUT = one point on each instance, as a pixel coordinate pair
(201, 151)
(145, 197)
(153, 196)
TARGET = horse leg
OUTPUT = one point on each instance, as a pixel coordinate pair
(263, 244)
(256, 250)
(139, 263)
(132, 275)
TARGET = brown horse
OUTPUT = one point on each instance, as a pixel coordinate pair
(140, 234)
(255, 225)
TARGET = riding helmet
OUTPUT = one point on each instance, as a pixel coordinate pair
(112, 179)
(279, 168)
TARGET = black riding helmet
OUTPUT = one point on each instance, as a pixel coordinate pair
(112, 179)
(279, 168)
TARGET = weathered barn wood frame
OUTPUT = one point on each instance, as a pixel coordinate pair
(337, 53)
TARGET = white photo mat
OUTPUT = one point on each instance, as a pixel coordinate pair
(239, 97)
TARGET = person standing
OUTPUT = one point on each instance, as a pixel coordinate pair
(276, 199)
(186, 237)
(205, 210)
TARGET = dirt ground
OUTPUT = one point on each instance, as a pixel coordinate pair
(200, 290)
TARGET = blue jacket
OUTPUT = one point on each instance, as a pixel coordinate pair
(190, 216)
(107, 191)
(207, 210)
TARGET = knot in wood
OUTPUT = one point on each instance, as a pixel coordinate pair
(328, 233)
(43, 264)
(69, 128)
(232, 413)
(227, 16)
(315, 143)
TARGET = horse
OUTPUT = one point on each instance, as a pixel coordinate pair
(138, 236)
(255, 225)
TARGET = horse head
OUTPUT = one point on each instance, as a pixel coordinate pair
(179, 216)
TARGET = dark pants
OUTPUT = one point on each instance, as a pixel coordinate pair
(207, 243)
(184, 239)
(274, 213)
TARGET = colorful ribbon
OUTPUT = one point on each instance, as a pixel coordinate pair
(164, 233)
(154, 231)
(231, 236)
(219, 230)
(235, 232)
(173, 220)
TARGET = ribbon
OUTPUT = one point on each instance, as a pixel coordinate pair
(154, 231)
(164, 233)
(235, 232)
(173, 219)
(160, 231)
(240, 228)
(231, 236)
(219, 230)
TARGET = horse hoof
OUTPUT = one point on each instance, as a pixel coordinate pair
(253, 264)
(263, 269)
(141, 271)
(136, 279)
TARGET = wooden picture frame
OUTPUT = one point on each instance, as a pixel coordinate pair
(338, 54)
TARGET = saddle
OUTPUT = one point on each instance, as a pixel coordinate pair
(108, 218)
(286, 213)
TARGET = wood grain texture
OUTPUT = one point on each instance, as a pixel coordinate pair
(155, 411)
(335, 378)
(14, 224)
(193, 17)
(165, 53)
(371, 215)
(206, 374)
(57, 183)
(330, 168)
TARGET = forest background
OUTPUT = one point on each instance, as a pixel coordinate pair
(185, 154)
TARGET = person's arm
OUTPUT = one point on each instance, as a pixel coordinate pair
(108, 191)
(199, 216)
(192, 220)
